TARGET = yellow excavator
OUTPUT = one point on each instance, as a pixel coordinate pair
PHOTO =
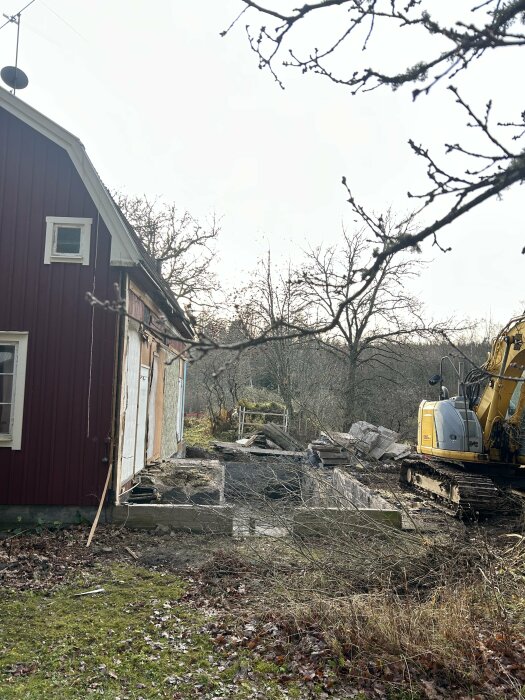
(471, 447)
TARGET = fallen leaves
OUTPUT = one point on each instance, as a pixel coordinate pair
(250, 645)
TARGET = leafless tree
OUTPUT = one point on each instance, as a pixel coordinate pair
(181, 245)
(272, 300)
(216, 380)
(341, 29)
(372, 330)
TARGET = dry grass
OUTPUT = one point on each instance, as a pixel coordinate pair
(387, 627)
(462, 630)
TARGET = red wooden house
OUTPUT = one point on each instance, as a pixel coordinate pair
(81, 389)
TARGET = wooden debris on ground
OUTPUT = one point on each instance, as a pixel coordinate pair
(270, 440)
(93, 592)
(131, 553)
(273, 437)
(281, 438)
(329, 453)
(231, 449)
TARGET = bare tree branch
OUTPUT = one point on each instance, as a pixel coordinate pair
(181, 245)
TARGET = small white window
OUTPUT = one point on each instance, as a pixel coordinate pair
(67, 240)
(13, 355)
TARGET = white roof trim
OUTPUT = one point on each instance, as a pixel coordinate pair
(123, 249)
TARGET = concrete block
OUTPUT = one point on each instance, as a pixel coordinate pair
(216, 520)
(322, 522)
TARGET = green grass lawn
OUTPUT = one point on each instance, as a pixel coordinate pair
(135, 640)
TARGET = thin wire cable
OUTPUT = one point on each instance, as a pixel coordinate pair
(17, 14)
(90, 384)
(63, 20)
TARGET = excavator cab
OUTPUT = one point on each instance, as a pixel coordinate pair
(449, 427)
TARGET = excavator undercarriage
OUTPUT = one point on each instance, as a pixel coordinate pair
(465, 494)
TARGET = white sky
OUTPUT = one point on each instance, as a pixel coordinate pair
(166, 107)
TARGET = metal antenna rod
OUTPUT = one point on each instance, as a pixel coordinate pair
(16, 54)
(15, 19)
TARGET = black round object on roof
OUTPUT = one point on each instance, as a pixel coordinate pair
(14, 77)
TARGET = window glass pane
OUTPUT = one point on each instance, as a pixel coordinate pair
(67, 240)
(7, 358)
(514, 399)
(5, 418)
(6, 388)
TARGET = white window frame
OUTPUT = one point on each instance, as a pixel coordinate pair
(50, 254)
(13, 439)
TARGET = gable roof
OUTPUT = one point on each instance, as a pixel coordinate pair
(126, 247)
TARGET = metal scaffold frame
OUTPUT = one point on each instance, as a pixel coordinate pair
(243, 423)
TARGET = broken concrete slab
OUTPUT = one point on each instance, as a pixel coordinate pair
(385, 439)
(397, 451)
(372, 440)
(375, 442)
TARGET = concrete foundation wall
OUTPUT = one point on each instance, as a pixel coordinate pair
(353, 493)
(315, 522)
(28, 516)
(340, 504)
(187, 518)
(217, 520)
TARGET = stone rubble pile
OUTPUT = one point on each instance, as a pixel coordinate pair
(372, 442)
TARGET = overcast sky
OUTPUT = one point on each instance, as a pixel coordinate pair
(166, 107)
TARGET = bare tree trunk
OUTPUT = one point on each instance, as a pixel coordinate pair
(350, 393)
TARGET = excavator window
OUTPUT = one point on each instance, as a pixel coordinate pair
(514, 399)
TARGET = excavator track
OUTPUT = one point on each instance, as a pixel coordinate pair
(466, 494)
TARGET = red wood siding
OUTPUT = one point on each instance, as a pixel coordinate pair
(70, 361)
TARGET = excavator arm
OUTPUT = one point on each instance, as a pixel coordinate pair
(506, 359)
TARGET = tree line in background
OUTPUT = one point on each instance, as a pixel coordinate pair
(373, 365)
(310, 377)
